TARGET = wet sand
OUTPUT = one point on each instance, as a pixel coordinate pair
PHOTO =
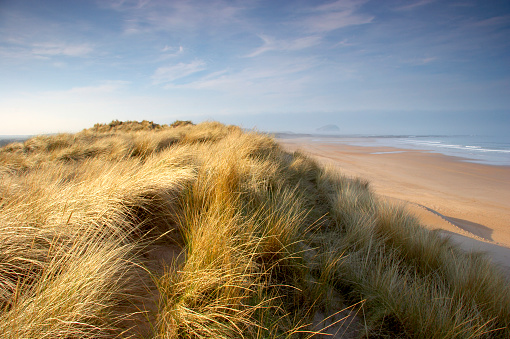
(467, 201)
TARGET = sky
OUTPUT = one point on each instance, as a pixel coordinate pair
(370, 67)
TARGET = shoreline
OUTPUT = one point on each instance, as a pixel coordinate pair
(470, 202)
(483, 150)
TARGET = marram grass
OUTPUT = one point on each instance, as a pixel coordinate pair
(139, 230)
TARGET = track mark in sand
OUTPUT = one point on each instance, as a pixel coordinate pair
(465, 227)
(462, 227)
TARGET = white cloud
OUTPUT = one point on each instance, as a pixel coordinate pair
(497, 21)
(123, 4)
(277, 76)
(271, 44)
(174, 72)
(344, 43)
(172, 51)
(335, 15)
(340, 5)
(420, 61)
(145, 16)
(55, 49)
(26, 35)
(414, 5)
(326, 22)
(45, 51)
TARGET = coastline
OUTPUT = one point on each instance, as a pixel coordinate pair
(467, 201)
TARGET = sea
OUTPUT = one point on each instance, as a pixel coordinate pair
(488, 150)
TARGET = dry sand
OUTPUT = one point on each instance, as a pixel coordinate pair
(468, 202)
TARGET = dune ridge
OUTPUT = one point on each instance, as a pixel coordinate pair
(139, 230)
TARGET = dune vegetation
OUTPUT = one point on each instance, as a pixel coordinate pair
(140, 230)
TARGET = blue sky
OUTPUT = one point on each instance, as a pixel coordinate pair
(392, 66)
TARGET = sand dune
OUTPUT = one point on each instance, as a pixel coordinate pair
(468, 202)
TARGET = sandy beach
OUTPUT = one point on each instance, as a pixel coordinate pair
(468, 202)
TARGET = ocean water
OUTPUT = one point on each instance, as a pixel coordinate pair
(489, 150)
(481, 149)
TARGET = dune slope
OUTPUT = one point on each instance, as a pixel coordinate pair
(205, 231)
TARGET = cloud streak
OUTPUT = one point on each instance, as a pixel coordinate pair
(27, 36)
(146, 16)
(277, 76)
(335, 15)
(61, 49)
(169, 74)
(45, 51)
(271, 44)
(415, 5)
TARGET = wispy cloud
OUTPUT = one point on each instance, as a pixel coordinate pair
(168, 74)
(414, 5)
(496, 21)
(339, 5)
(335, 15)
(64, 49)
(344, 43)
(22, 50)
(271, 44)
(173, 49)
(170, 51)
(278, 75)
(123, 4)
(26, 35)
(147, 16)
(428, 60)
(420, 61)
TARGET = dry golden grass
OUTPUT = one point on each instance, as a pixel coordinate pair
(136, 230)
